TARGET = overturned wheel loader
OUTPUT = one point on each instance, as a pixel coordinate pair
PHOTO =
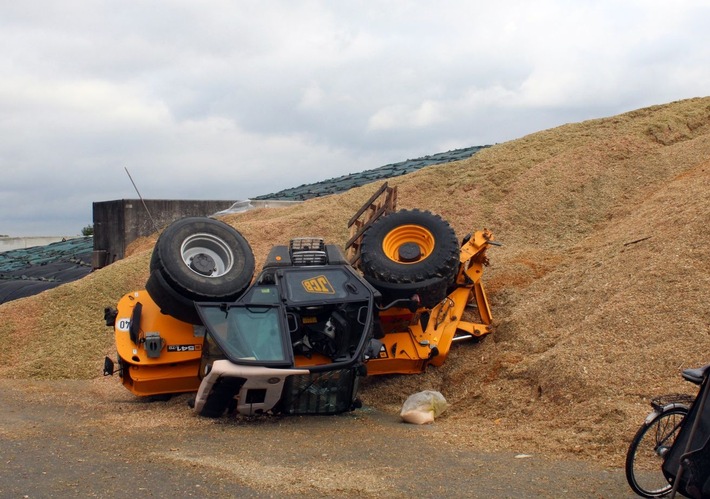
(297, 338)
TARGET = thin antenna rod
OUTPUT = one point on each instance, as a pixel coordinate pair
(155, 226)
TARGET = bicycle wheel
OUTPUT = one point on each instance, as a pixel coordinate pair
(647, 452)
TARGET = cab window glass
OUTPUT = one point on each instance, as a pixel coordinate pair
(249, 333)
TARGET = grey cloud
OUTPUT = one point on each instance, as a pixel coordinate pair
(227, 100)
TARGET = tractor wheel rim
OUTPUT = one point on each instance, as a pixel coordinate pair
(399, 241)
(206, 247)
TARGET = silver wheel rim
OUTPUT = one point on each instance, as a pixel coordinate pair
(214, 247)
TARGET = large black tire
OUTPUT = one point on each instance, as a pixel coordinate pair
(170, 301)
(198, 259)
(410, 252)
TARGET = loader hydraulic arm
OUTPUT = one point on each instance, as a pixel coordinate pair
(473, 258)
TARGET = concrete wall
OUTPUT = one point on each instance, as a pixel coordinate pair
(13, 243)
(118, 223)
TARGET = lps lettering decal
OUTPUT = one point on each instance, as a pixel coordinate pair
(184, 348)
(123, 324)
(318, 284)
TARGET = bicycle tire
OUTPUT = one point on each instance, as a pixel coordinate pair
(647, 450)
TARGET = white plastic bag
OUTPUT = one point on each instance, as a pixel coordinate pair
(423, 407)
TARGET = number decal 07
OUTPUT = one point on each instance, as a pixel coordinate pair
(123, 324)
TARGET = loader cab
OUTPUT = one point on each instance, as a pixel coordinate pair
(319, 317)
(295, 339)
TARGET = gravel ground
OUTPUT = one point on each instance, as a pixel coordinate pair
(90, 439)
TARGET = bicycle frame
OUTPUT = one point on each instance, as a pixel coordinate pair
(687, 463)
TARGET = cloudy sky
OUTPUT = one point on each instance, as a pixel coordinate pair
(223, 99)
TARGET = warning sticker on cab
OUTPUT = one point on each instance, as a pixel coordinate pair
(184, 348)
(319, 285)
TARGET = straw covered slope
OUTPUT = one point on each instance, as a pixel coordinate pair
(600, 293)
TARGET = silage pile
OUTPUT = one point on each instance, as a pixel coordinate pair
(600, 293)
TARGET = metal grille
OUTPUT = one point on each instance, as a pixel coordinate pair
(308, 251)
(320, 393)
